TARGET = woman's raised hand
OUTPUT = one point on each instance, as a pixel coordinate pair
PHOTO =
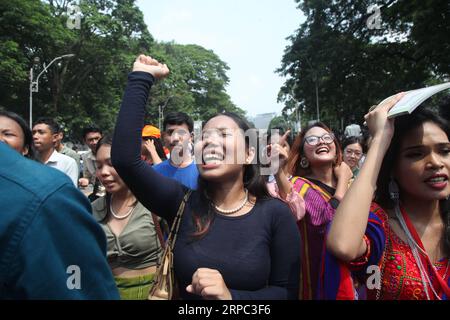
(380, 127)
(279, 150)
(150, 146)
(148, 64)
(343, 172)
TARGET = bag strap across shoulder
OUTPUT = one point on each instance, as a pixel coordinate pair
(176, 222)
(158, 229)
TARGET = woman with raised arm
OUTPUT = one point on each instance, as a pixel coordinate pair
(403, 237)
(279, 184)
(234, 241)
(321, 178)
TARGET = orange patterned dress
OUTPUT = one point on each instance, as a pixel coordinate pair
(400, 275)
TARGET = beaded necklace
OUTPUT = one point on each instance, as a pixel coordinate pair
(115, 215)
(231, 211)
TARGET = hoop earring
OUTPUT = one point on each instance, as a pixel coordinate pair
(304, 163)
(394, 192)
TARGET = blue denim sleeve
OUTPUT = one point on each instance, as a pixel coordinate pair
(62, 254)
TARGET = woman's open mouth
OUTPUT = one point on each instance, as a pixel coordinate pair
(322, 150)
(437, 181)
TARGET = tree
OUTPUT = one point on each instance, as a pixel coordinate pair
(355, 67)
(279, 122)
(27, 29)
(196, 84)
(88, 88)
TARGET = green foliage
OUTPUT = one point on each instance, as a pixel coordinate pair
(355, 67)
(88, 87)
(278, 122)
(196, 84)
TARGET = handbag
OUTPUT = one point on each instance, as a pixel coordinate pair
(164, 280)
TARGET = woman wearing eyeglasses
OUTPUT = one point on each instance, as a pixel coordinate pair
(353, 150)
(321, 178)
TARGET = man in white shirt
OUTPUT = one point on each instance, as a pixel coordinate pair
(45, 134)
(353, 129)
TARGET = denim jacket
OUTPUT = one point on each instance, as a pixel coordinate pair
(50, 246)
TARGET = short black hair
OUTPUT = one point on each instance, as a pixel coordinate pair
(106, 140)
(91, 128)
(178, 118)
(50, 122)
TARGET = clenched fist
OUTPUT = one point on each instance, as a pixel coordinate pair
(209, 284)
(154, 67)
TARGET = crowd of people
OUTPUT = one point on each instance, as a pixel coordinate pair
(361, 218)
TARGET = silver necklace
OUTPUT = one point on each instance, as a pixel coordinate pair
(115, 215)
(231, 211)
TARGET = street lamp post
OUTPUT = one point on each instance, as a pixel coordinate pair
(161, 108)
(159, 115)
(299, 121)
(298, 126)
(34, 84)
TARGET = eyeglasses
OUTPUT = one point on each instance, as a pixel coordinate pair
(349, 152)
(327, 138)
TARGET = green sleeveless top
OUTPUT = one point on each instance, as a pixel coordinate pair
(137, 246)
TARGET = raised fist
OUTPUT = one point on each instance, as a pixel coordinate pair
(148, 64)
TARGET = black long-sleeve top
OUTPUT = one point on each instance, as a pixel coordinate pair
(258, 254)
